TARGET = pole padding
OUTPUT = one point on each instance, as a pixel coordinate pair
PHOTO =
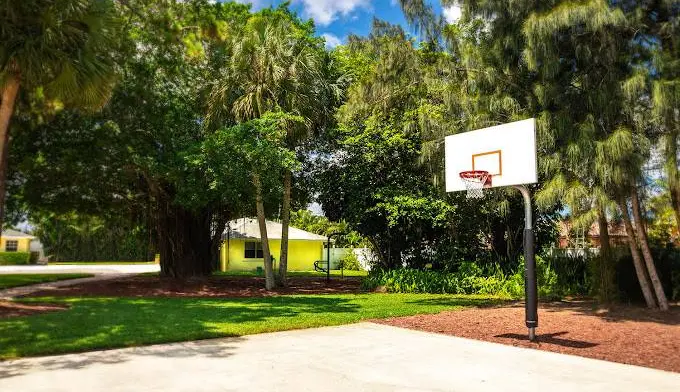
(530, 286)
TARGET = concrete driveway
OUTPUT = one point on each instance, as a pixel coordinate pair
(115, 269)
(359, 357)
(100, 272)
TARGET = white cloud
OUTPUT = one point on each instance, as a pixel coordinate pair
(452, 13)
(324, 12)
(331, 40)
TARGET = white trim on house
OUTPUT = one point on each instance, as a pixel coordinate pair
(249, 229)
(14, 234)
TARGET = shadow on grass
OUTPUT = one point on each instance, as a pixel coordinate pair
(550, 338)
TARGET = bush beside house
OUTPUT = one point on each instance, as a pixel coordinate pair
(15, 258)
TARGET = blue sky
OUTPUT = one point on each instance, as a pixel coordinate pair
(336, 19)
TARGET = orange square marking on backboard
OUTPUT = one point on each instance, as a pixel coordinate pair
(486, 155)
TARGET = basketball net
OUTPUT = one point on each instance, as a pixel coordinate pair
(474, 181)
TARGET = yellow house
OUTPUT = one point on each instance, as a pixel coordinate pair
(242, 248)
(15, 241)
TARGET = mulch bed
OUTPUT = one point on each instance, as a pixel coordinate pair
(14, 309)
(625, 334)
(220, 286)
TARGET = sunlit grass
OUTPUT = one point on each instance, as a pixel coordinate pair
(98, 323)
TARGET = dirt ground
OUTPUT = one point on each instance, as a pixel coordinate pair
(221, 286)
(13, 309)
(625, 334)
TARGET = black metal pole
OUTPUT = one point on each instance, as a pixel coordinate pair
(530, 284)
(328, 259)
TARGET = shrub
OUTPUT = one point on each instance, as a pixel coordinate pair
(14, 258)
(667, 261)
(351, 262)
(469, 279)
(417, 281)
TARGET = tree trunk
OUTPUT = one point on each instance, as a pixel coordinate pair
(185, 241)
(671, 152)
(218, 225)
(8, 99)
(639, 267)
(606, 290)
(261, 219)
(285, 221)
(646, 252)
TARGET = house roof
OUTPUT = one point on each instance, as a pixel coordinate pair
(11, 233)
(615, 229)
(248, 228)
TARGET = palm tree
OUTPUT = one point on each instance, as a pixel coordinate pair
(61, 47)
(274, 68)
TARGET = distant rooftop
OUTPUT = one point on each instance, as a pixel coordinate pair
(11, 233)
(248, 228)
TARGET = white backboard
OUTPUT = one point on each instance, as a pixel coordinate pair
(507, 152)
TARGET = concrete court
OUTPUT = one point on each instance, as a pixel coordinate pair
(358, 357)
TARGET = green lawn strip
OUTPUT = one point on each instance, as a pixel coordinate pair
(100, 323)
(15, 280)
(294, 273)
(102, 263)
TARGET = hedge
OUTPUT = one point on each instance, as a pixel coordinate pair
(14, 258)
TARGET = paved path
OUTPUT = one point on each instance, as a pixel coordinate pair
(10, 293)
(85, 269)
(101, 272)
(359, 357)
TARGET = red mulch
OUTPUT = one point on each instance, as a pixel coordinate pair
(219, 286)
(625, 334)
(13, 309)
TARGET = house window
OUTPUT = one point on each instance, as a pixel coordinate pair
(11, 246)
(254, 250)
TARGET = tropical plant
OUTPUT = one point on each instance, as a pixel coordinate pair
(256, 151)
(276, 64)
(62, 49)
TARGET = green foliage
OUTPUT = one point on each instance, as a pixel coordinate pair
(73, 237)
(14, 258)
(144, 154)
(65, 48)
(667, 261)
(306, 220)
(661, 225)
(350, 262)
(601, 275)
(420, 281)
(384, 174)
(472, 279)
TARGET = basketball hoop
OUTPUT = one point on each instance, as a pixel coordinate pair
(475, 182)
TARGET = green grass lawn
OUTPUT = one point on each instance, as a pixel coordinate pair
(15, 280)
(294, 273)
(98, 323)
(101, 262)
